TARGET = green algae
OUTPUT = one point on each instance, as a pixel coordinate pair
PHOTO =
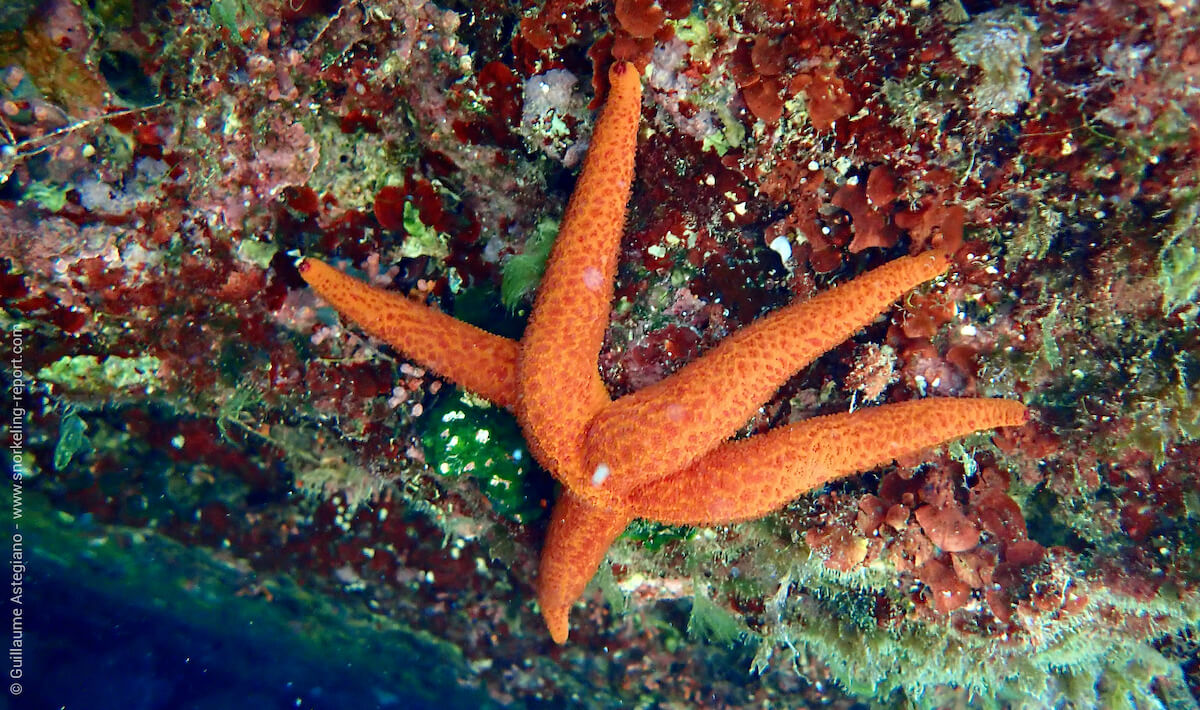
(1179, 260)
(51, 198)
(257, 252)
(523, 272)
(235, 16)
(343, 647)
(465, 436)
(654, 536)
(86, 373)
(1083, 659)
(715, 623)
(422, 240)
(480, 305)
(72, 439)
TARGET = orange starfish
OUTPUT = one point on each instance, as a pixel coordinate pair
(660, 453)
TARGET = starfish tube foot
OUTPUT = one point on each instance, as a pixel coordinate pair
(472, 358)
(652, 432)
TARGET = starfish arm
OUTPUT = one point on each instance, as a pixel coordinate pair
(646, 435)
(579, 537)
(749, 478)
(559, 382)
(472, 358)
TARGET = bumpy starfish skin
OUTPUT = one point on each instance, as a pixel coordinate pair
(576, 542)
(664, 427)
(748, 478)
(558, 382)
(483, 363)
(660, 453)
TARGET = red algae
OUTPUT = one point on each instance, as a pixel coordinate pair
(640, 18)
(948, 528)
(166, 228)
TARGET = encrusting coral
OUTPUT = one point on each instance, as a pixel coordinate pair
(658, 453)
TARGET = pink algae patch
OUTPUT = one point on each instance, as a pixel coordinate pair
(949, 592)
(948, 528)
(842, 549)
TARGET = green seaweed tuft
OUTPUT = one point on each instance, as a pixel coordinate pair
(714, 623)
(72, 439)
(1179, 261)
(523, 272)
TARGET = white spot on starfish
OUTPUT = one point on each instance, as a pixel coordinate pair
(593, 279)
